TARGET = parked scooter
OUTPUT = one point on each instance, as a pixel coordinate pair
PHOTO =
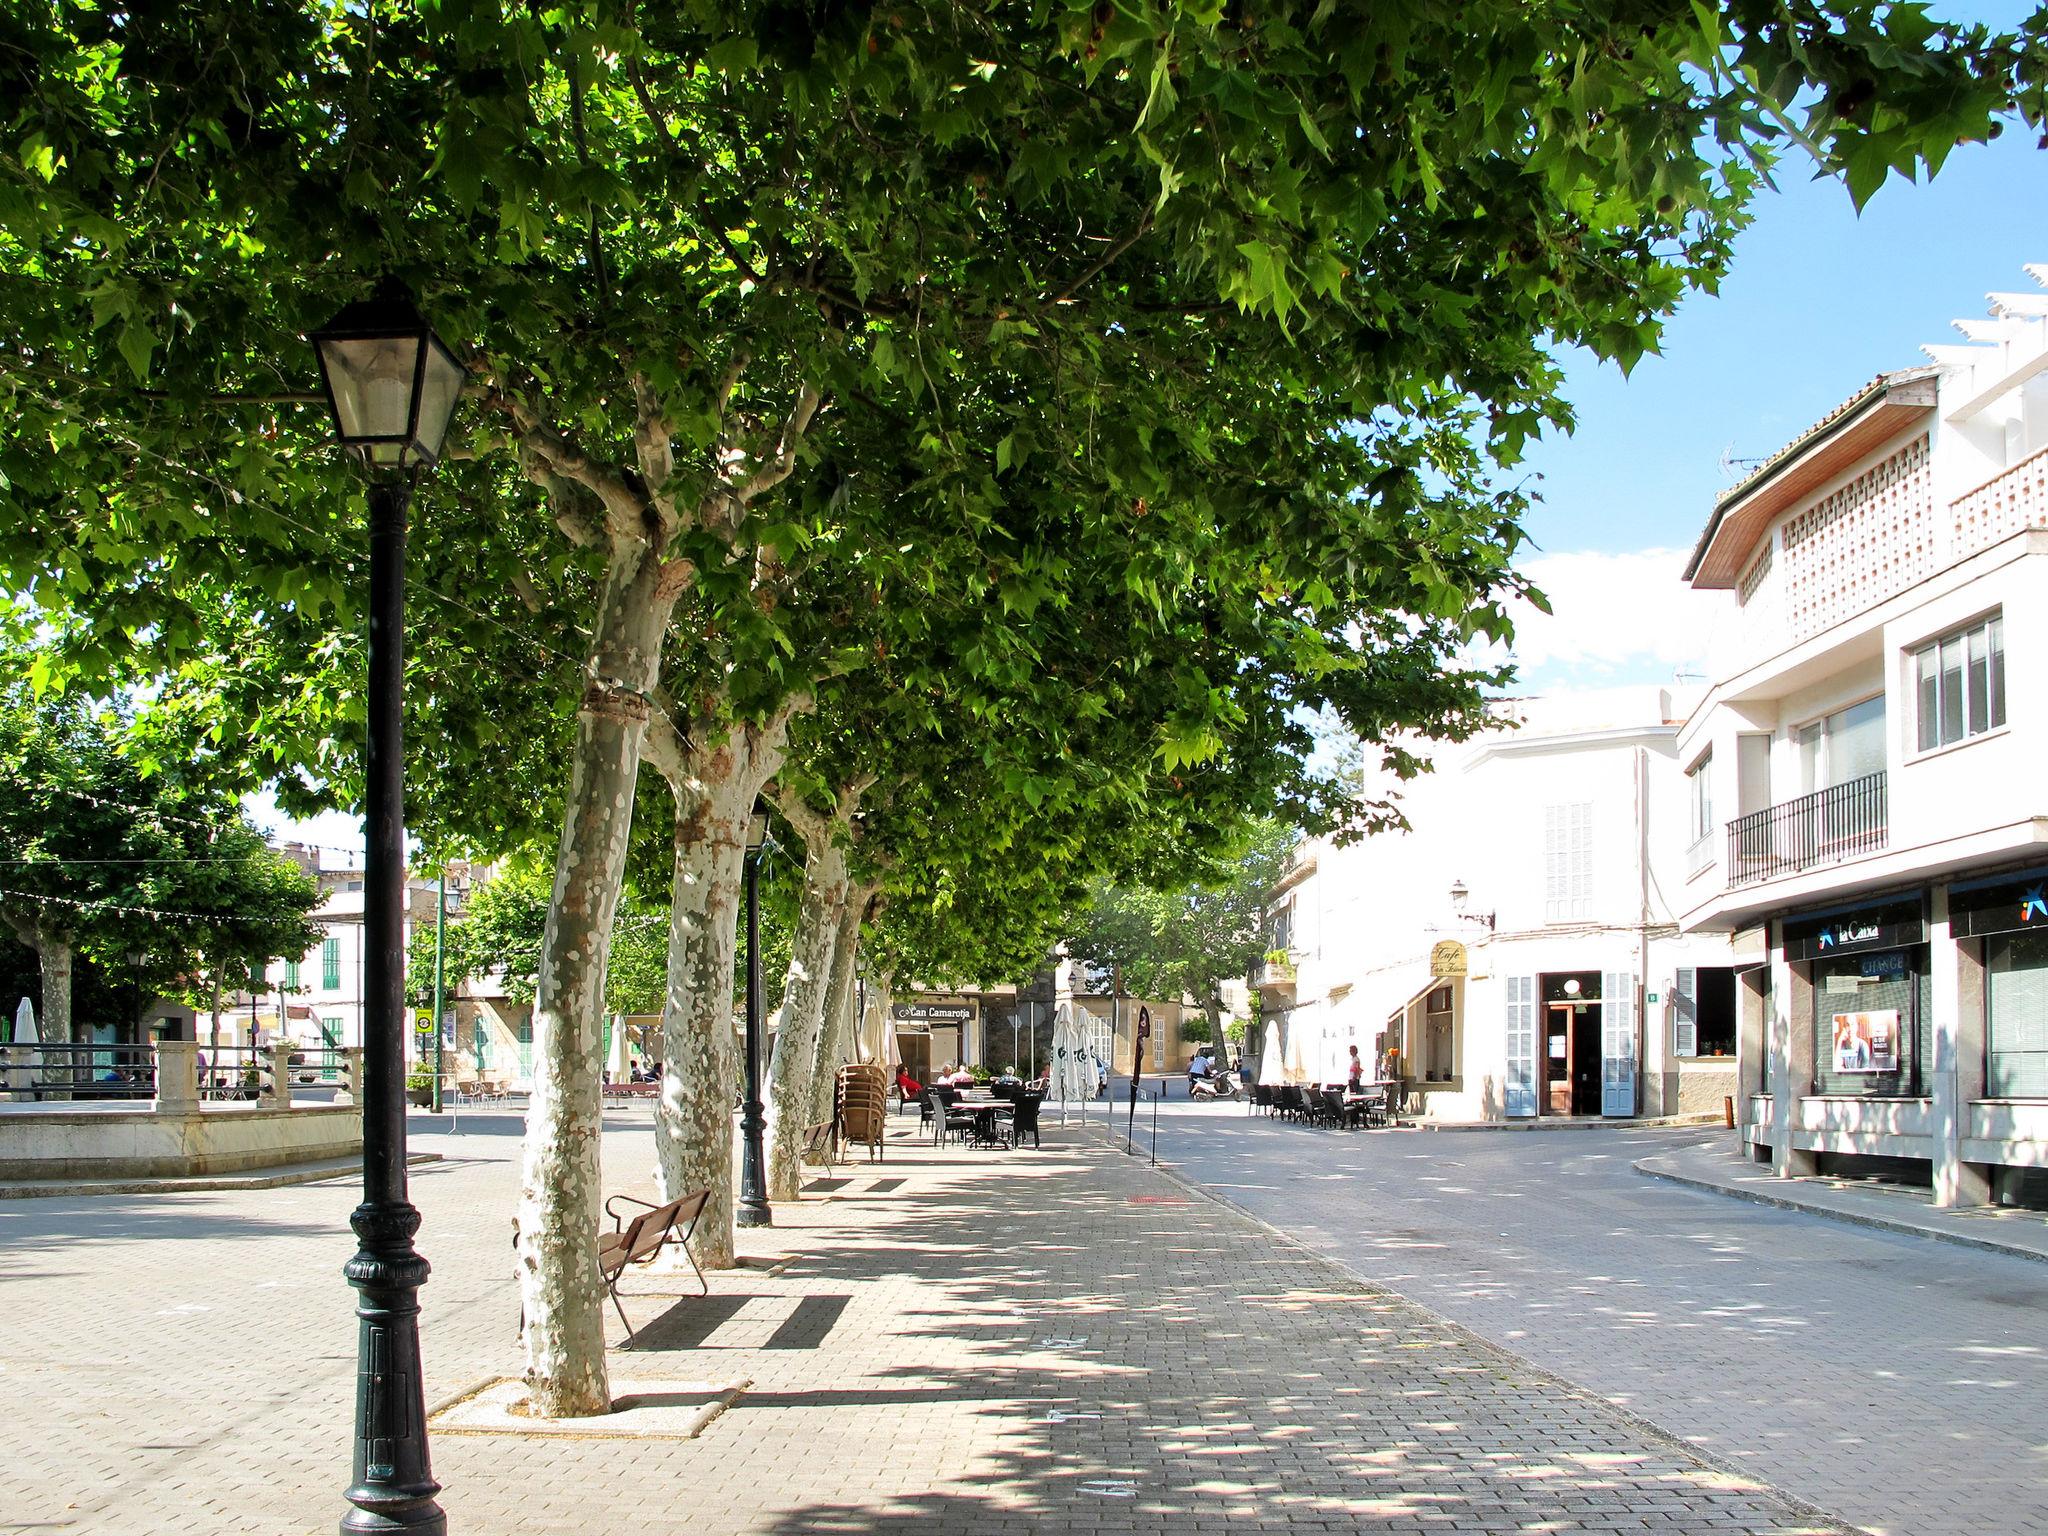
(1217, 1085)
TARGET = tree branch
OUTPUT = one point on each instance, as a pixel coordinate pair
(1137, 233)
(787, 442)
(546, 451)
(651, 436)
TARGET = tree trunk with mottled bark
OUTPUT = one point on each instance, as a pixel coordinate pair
(714, 789)
(803, 1008)
(835, 1037)
(560, 1193)
(53, 952)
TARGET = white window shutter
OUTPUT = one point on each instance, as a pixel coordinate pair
(1518, 1096)
(1685, 1028)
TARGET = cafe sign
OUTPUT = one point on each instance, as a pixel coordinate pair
(932, 1013)
(1447, 959)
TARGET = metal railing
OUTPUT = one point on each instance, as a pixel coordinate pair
(79, 1070)
(1843, 821)
(234, 1073)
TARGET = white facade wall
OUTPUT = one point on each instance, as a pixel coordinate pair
(1369, 915)
(1970, 542)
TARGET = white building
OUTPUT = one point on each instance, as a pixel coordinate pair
(1517, 952)
(1874, 731)
(317, 999)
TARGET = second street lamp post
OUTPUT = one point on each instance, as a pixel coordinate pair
(753, 1207)
(391, 385)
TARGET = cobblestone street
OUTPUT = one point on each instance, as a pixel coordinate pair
(1898, 1382)
(1061, 1340)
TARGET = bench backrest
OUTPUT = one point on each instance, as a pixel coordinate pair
(663, 1222)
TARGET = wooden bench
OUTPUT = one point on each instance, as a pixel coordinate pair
(626, 1093)
(820, 1142)
(639, 1239)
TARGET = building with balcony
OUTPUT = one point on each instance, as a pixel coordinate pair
(1515, 953)
(1866, 821)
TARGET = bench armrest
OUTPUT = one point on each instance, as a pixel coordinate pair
(618, 1222)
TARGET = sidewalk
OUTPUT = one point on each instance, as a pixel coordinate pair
(961, 1342)
(1717, 1167)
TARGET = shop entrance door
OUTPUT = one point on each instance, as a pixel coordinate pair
(1571, 1059)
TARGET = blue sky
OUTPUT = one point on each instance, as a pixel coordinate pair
(1822, 297)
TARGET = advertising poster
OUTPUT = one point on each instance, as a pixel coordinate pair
(1867, 1042)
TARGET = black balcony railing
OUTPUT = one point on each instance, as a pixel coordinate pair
(1843, 821)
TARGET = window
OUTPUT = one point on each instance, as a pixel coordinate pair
(1703, 1011)
(1845, 746)
(1871, 1022)
(1439, 1054)
(2016, 1016)
(1700, 779)
(1282, 936)
(291, 974)
(1960, 684)
(330, 965)
(1568, 862)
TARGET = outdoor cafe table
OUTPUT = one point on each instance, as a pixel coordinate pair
(986, 1112)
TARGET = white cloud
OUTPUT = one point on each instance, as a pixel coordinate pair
(1615, 618)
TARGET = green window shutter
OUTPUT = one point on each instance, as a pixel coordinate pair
(291, 974)
(330, 965)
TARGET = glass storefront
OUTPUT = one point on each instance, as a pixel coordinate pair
(2009, 912)
(1873, 1015)
(1872, 1022)
(2016, 1015)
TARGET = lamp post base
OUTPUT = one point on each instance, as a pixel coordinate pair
(393, 1487)
(753, 1215)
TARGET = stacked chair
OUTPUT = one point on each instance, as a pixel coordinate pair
(862, 1097)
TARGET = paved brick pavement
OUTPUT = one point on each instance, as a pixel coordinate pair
(1049, 1342)
(1899, 1382)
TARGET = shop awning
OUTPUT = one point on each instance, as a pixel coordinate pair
(1381, 994)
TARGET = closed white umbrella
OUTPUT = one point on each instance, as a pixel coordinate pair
(1272, 1071)
(1297, 1051)
(21, 1075)
(1072, 1074)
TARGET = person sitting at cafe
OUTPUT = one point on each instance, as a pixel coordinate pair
(907, 1086)
(960, 1077)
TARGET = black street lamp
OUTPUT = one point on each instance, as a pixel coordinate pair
(753, 1207)
(391, 385)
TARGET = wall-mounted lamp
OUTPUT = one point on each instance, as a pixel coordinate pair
(1459, 895)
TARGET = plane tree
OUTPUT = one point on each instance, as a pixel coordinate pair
(694, 252)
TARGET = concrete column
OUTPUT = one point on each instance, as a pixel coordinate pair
(279, 1095)
(177, 1077)
(1752, 1044)
(1791, 1054)
(1956, 1075)
(352, 1073)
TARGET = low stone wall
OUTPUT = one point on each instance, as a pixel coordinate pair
(105, 1143)
(1705, 1084)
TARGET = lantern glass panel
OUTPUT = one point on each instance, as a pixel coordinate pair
(371, 378)
(438, 392)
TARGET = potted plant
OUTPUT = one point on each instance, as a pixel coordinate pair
(419, 1088)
